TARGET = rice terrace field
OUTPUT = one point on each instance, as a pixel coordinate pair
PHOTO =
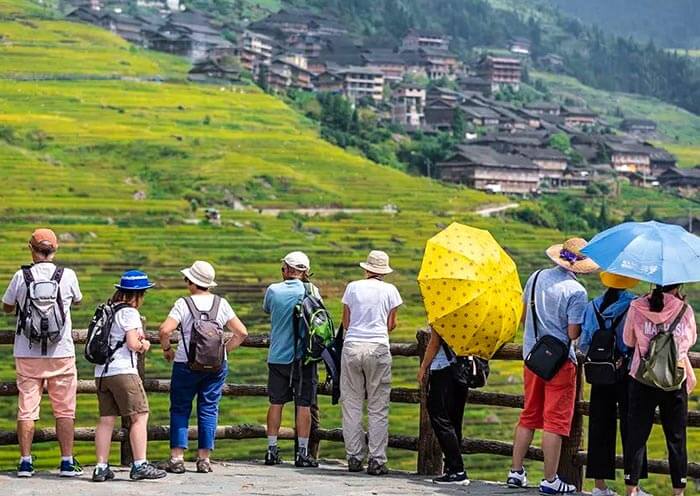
(115, 150)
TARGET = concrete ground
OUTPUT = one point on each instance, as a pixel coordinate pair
(249, 479)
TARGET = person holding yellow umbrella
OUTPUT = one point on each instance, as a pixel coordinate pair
(607, 370)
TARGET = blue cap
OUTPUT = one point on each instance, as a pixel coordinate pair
(134, 280)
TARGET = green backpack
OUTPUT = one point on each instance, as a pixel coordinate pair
(313, 326)
(659, 367)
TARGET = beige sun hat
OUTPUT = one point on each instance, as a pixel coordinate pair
(377, 263)
(568, 255)
(201, 274)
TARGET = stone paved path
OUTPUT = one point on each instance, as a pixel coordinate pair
(249, 479)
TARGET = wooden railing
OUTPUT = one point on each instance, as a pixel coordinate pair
(429, 454)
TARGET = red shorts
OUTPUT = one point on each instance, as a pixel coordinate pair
(549, 405)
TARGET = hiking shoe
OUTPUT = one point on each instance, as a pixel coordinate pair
(376, 468)
(70, 468)
(25, 469)
(146, 471)
(603, 492)
(272, 456)
(102, 474)
(303, 459)
(458, 479)
(642, 492)
(517, 478)
(203, 466)
(173, 466)
(557, 486)
(354, 464)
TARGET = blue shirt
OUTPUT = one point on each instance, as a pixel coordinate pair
(560, 300)
(591, 325)
(280, 300)
(440, 361)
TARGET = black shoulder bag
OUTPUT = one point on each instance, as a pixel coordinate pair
(549, 354)
(469, 372)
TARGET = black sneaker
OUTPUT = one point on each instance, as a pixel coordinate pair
(102, 474)
(354, 464)
(272, 456)
(70, 468)
(459, 479)
(376, 468)
(303, 459)
(146, 471)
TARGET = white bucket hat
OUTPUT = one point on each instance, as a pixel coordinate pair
(297, 260)
(201, 274)
(377, 263)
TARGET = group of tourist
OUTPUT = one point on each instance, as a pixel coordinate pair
(42, 294)
(556, 311)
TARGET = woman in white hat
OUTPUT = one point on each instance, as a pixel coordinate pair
(187, 383)
(369, 315)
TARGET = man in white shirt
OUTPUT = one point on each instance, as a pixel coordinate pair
(369, 315)
(42, 294)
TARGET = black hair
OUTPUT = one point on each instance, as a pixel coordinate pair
(656, 299)
(610, 297)
(129, 297)
(201, 288)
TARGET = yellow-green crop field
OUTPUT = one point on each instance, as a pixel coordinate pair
(123, 169)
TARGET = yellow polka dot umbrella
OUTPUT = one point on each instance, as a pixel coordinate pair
(471, 290)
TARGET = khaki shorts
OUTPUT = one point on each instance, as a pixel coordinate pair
(60, 377)
(121, 395)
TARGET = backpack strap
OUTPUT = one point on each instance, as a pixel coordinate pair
(194, 311)
(214, 310)
(678, 319)
(57, 276)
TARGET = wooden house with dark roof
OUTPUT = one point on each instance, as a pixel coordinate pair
(387, 61)
(215, 71)
(638, 126)
(485, 169)
(681, 178)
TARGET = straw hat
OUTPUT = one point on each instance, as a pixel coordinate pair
(377, 263)
(201, 274)
(568, 255)
(616, 281)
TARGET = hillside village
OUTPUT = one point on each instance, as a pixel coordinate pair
(419, 85)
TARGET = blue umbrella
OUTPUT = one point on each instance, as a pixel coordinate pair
(649, 251)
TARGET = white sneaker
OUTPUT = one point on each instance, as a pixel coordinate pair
(557, 486)
(604, 492)
(642, 492)
(517, 479)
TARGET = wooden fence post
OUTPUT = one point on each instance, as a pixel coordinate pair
(429, 452)
(125, 454)
(569, 470)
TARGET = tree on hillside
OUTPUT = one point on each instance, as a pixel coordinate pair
(561, 142)
(649, 214)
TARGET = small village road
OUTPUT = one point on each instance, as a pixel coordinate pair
(250, 479)
(489, 211)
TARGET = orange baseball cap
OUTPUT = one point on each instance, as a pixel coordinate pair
(44, 238)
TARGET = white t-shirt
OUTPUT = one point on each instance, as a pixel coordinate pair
(16, 294)
(123, 360)
(182, 315)
(370, 301)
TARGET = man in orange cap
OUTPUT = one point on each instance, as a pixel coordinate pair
(41, 295)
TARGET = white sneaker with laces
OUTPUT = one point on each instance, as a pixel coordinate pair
(604, 492)
(517, 479)
(557, 486)
(642, 492)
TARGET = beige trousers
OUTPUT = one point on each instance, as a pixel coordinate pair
(365, 373)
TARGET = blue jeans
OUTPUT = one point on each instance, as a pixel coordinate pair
(185, 384)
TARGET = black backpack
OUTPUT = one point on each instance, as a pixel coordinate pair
(97, 348)
(602, 365)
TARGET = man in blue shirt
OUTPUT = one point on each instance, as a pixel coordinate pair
(559, 304)
(288, 379)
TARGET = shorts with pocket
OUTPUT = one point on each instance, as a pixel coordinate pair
(549, 405)
(61, 379)
(121, 395)
(282, 388)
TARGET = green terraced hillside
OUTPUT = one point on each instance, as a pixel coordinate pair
(122, 166)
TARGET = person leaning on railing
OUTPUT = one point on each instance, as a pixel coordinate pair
(186, 383)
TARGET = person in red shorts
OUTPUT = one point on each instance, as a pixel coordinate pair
(559, 305)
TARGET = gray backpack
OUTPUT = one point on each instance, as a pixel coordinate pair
(42, 318)
(206, 349)
(659, 367)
